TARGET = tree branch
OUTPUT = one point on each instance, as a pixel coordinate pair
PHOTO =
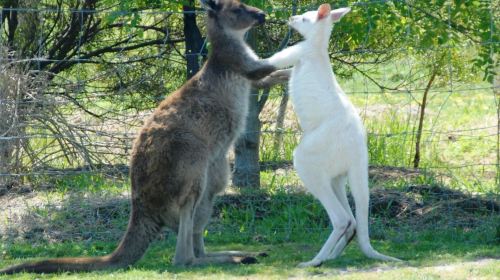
(457, 27)
(382, 87)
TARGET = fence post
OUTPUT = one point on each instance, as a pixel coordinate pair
(496, 96)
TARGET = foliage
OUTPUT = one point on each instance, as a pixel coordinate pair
(109, 60)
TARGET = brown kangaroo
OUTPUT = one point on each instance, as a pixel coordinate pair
(178, 163)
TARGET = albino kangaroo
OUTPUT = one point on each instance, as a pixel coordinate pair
(333, 147)
(178, 162)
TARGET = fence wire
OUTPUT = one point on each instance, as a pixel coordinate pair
(77, 83)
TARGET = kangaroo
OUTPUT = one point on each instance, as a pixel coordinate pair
(333, 147)
(178, 162)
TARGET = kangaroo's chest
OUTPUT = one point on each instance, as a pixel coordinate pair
(312, 95)
(232, 94)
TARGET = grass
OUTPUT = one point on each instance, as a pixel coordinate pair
(447, 241)
(420, 249)
(422, 258)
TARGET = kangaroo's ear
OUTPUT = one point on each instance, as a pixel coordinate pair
(211, 5)
(337, 14)
(323, 11)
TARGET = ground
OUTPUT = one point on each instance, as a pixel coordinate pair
(439, 232)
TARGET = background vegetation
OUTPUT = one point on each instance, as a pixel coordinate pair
(77, 78)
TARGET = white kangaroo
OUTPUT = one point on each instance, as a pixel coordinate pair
(333, 147)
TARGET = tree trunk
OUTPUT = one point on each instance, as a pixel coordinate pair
(416, 159)
(12, 21)
(193, 40)
(280, 120)
(246, 165)
(246, 150)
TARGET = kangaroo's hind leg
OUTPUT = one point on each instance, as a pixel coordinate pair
(358, 181)
(184, 254)
(319, 185)
(340, 221)
(192, 186)
(217, 180)
(339, 187)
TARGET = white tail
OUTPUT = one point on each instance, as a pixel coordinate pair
(358, 181)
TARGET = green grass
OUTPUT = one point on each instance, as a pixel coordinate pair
(287, 224)
(420, 256)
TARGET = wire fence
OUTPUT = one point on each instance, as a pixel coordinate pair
(76, 83)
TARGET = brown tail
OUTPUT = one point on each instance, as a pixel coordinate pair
(140, 232)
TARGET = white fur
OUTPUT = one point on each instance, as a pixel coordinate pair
(333, 148)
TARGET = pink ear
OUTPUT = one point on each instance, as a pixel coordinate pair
(323, 11)
(337, 14)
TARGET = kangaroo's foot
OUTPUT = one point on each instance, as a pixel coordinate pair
(236, 254)
(311, 263)
(224, 259)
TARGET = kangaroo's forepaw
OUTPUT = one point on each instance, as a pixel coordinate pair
(281, 75)
(312, 263)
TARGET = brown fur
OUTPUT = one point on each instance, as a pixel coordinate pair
(178, 163)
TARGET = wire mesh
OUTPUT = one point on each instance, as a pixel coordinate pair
(77, 83)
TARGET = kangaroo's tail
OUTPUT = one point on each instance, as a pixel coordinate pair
(140, 232)
(358, 181)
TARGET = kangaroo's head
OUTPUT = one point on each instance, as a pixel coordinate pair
(232, 16)
(317, 23)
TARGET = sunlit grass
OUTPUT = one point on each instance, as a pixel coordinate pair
(422, 258)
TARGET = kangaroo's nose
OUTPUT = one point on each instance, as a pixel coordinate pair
(261, 17)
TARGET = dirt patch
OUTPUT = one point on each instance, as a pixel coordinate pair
(388, 173)
(476, 264)
(75, 216)
(426, 206)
